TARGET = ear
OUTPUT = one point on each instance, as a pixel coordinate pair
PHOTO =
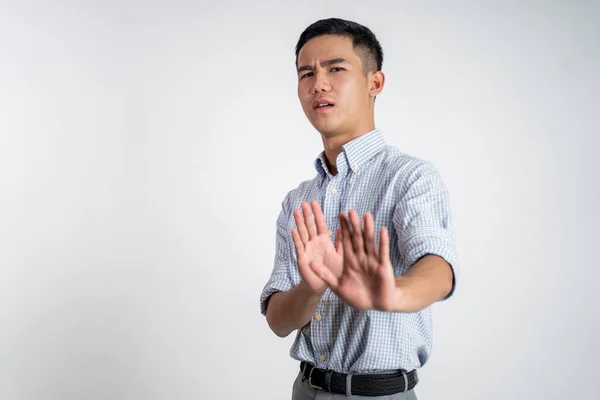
(376, 82)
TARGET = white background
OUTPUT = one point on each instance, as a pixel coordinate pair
(145, 149)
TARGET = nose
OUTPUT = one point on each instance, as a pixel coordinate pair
(321, 84)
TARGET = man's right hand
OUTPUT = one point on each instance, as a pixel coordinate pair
(313, 243)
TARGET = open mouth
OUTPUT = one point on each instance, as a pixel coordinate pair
(323, 106)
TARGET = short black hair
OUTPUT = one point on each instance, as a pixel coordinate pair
(363, 40)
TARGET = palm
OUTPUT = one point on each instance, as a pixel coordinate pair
(321, 249)
(371, 288)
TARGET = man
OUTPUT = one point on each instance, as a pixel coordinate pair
(365, 247)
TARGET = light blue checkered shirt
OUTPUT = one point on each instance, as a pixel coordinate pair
(406, 195)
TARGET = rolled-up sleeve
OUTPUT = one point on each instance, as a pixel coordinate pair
(281, 279)
(422, 219)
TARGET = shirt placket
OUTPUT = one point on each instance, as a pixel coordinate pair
(323, 322)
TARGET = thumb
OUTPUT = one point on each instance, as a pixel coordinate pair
(325, 274)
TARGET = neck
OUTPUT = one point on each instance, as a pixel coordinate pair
(333, 146)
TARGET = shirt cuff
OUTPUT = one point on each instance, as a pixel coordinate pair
(435, 243)
(278, 283)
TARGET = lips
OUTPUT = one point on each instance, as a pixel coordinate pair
(322, 104)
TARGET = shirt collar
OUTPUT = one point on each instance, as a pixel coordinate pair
(355, 153)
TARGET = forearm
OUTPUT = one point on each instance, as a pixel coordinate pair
(291, 310)
(429, 280)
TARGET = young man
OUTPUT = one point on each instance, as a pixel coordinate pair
(365, 247)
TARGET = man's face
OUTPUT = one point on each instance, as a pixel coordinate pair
(331, 73)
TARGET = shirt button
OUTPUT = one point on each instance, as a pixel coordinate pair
(318, 317)
(333, 190)
(330, 232)
(356, 167)
(322, 357)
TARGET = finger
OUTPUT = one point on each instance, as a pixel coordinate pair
(319, 218)
(357, 238)
(301, 226)
(369, 234)
(338, 241)
(348, 248)
(325, 274)
(305, 272)
(384, 246)
(309, 220)
(298, 243)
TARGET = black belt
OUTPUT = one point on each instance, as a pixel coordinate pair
(361, 384)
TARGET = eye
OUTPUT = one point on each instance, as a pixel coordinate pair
(336, 69)
(308, 74)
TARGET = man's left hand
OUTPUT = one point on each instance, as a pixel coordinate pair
(367, 278)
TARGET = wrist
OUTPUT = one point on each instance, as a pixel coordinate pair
(399, 302)
(310, 293)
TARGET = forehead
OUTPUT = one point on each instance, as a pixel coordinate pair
(327, 47)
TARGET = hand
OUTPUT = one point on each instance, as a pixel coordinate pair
(313, 244)
(367, 277)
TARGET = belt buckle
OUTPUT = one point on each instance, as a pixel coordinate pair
(310, 379)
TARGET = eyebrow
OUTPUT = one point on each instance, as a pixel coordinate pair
(324, 64)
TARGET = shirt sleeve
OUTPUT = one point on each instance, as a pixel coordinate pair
(422, 219)
(281, 278)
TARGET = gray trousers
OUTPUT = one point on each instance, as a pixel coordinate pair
(303, 391)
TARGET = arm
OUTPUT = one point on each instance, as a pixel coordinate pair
(425, 238)
(422, 220)
(291, 310)
(425, 283)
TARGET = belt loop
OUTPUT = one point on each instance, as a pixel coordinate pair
(304, 372)
(349, 385)
(327, 382)
(405, 380)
